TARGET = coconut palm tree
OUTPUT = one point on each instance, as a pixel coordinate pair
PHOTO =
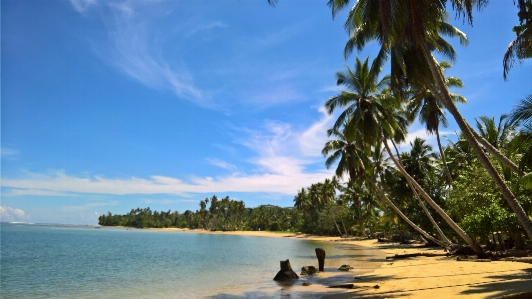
(418, 163)
(521, 47)
(340, 151)
(430, 111)
(411, 30)
(358, 159)
(497, 135)
(522, 115)
(370, 119)
(372, 112)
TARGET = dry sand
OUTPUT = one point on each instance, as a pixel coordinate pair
(419, 277)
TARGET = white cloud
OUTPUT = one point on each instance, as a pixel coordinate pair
(82, 6)
(11, 214)
(19, 192)
(285, 181)
(209, 26)
(8, 152)
(313, 139)
(133, 47)
(222, 164)
(282, 159)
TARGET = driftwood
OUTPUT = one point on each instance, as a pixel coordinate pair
(427, 254)
(519, 259)
(343, 286)
(473, 260)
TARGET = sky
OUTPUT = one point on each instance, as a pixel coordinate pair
(114, 105)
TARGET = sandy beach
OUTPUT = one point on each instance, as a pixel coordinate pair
(417, 277)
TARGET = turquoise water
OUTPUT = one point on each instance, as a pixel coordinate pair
(46, 261)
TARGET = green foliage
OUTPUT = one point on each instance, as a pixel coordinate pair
(481, 222)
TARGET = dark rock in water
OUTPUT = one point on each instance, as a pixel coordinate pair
(345, 268)
(308, 270)
(286, 272)
(306, 283)
(320, 254)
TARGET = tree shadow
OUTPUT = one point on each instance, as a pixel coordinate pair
(505, 284)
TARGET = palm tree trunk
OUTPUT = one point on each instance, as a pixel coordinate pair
(443, 95)
(442, 235)
(403, 216)
(335, 223)
(345, 230)
(433, 204)
(442, 153)
(494, 151)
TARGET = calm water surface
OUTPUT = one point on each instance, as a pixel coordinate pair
(47, 261)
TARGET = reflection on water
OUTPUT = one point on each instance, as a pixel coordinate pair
(83, 262)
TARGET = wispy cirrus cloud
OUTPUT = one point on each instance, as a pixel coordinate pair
(82, 6)
(133, 46)
(222, 164)
(208, 26)
(8, 152)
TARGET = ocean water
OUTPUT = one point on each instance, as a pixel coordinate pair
(52, 261)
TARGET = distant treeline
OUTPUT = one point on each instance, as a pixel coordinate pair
(214, 214)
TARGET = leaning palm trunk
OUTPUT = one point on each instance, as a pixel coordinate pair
(442, 153)
(494, 151)
(440, 232)
(345, 230)
(443, 95)
(403, 216)
(433, 204)
(336, 223)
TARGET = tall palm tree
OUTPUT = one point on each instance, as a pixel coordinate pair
(358, 160)
(521, 47)
(373, 119)
(411, 30)
(430, 111)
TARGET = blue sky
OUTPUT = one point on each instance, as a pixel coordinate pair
(114, 105)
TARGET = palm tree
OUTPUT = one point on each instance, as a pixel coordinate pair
(410, 31)
(521, 47)
(522, 115)
(340, 150)
(301, 201)
(363, 84)
(373, 119)
(497, 135)
(418, 163)
(430, 111)
(358, 160)
(328, 194)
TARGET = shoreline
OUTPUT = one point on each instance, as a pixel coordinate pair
(418, 277)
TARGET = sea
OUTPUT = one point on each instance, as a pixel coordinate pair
(67, 261)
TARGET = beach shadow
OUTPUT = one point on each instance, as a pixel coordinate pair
(365, 257)
(505, 284)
